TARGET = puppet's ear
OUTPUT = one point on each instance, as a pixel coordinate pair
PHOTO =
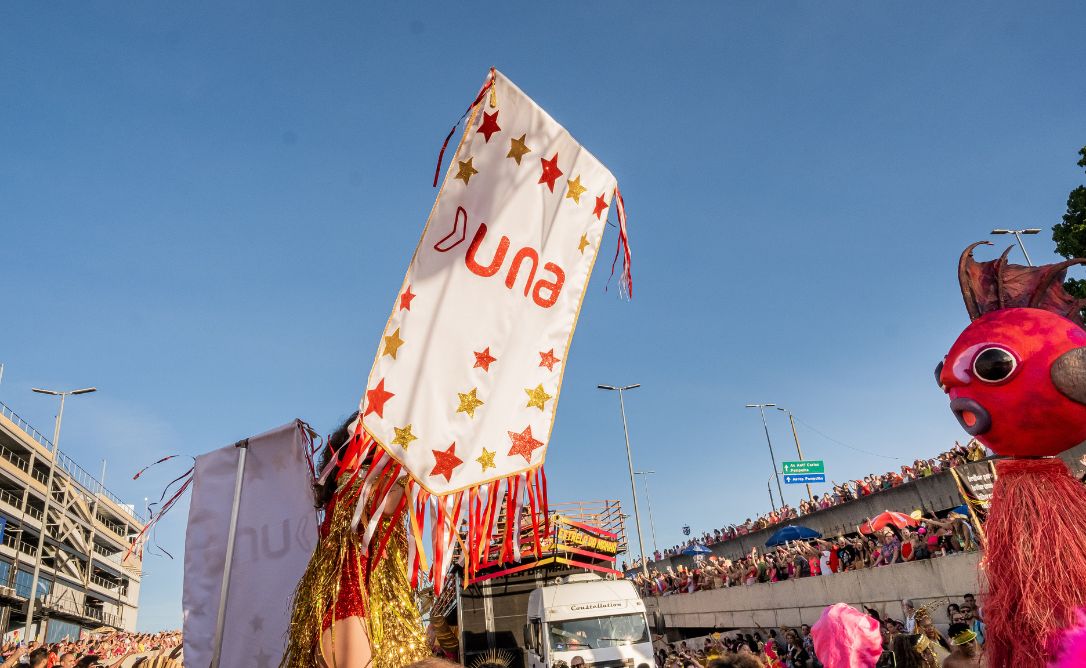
(1069, 374)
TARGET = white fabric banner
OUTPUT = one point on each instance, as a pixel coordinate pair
(465, 383)
(276, 536)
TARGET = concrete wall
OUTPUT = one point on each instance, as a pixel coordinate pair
(794, 602)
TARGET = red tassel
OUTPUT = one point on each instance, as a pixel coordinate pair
(1035, 560)
(479, 98)
(625, 279)
(532, 508)
(140, 472)
(544, 505)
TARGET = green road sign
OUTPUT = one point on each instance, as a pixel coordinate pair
(809, 466)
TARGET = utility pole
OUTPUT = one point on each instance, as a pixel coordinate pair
(792, 421)
(761, 409)
(1018, 235)
(32, 599)
(648, 500)
(629, 460)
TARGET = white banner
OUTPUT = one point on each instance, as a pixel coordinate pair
(276, 535)
(466, 379)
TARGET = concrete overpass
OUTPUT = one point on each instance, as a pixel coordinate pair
(794, 602)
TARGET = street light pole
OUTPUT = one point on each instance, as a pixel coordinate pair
(799, 452)
(629, 460)
(32, 599)
(761, 409)
(648, 501)
(769, 488)
(1018, 235)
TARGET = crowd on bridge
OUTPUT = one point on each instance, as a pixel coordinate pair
(912, 640)
(108, 650)
(932, 537)
(842, 493)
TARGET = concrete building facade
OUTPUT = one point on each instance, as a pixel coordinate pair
(85, 580)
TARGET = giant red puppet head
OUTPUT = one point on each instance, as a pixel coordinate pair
(1017, 375)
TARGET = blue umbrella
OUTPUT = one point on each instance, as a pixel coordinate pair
(962, 510)
(695, 550)
(790, 533)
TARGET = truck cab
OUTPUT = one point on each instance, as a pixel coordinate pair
(602, 621)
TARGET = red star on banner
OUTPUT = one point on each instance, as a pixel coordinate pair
(490, 125)
(548, 359)
(376, 398)
(550, 171)
(601, 206)
(405, 299)
(524, 444)
(445, 461)
(484, 359)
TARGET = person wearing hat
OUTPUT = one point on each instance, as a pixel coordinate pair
(966, 650)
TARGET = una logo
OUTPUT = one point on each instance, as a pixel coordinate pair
(543, 292)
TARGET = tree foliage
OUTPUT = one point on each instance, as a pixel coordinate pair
(1070, 235)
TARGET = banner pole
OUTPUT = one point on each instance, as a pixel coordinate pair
(220, 623)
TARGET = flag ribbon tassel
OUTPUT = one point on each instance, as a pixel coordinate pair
(487, 86)
(468, 517)
(625, 279)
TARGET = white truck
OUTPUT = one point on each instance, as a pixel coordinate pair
(599, 620)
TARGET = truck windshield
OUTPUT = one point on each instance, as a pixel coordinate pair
(597, 632)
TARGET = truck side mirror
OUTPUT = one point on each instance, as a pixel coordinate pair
(528, 637)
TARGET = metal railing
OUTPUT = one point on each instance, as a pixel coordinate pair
(77, 473)
(8, 454)
(121, 589)
(107, 618)
(40, 476)
(11, 499)
(36, 513)
(113, 526)
(15, 543)
(25, 426)
(104, 551)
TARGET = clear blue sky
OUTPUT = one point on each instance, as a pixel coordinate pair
(206, 210)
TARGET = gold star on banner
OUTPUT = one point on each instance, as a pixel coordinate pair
(537, 397)
(486, 460)
(466, 170)
(404, 436)
(517, 149)
(469, 402)
(584, 243)
(393, 343)
(574, 189)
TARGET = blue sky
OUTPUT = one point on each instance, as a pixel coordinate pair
(207, 209)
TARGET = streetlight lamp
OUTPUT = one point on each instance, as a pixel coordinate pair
(32, 599)
(799, 452)
(1018, 235)
(761, 409)
(629, 460)
(648, 500)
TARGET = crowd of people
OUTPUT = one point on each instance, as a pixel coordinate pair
(932, 537)
(842, 493)
(913, 640)
(108, 650)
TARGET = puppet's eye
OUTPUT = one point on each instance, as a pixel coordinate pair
(994, 364)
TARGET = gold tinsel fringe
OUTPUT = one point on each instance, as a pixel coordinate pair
(396, 633)
(394, 625)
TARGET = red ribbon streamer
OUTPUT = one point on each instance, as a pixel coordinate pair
(478, 98)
